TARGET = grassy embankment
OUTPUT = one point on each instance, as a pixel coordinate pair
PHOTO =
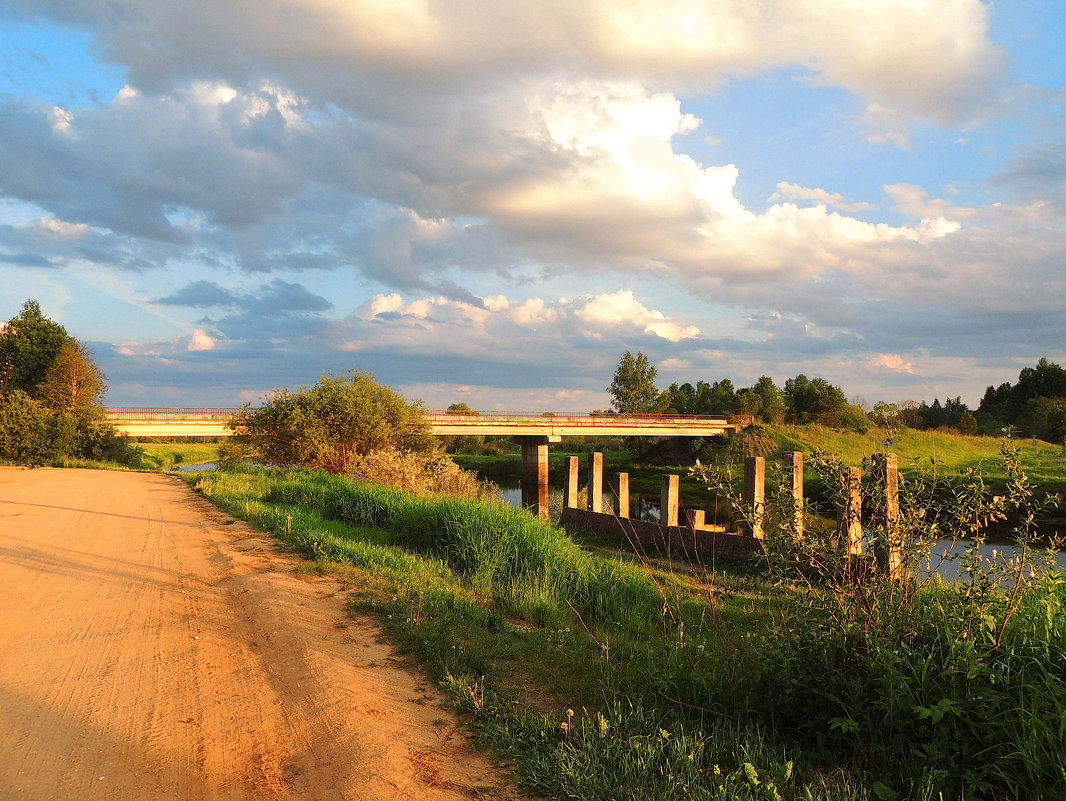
(682, 689)
(164, 455)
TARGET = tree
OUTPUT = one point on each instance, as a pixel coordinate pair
(466, 443)
(332, 424)
(633, 387)
(29, 345)
(771, 407)
(73, 381)
(813, 400)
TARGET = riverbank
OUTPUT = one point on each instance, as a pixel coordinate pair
(592, 672)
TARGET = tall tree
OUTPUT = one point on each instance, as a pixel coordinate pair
(73, 382)
(633, 387)
(29, 345)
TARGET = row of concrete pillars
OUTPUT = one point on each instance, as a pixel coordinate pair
(849, 511)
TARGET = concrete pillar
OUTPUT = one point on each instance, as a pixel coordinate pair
(668, 504)
(535, 475)
(622, 495)
(570, 487)
(888, 551)
(795, 458)
(595, 482)
(849, 517)
(755, 495)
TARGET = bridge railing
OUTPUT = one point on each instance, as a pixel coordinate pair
(221, 415)
(170, 413)
(585, 420)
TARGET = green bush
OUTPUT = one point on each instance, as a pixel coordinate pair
(28, 431)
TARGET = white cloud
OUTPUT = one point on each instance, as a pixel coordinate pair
(890, 361)
(199, 340)
(790, 191)
(927, 58)
(503, 328)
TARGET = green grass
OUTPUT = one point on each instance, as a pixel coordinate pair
(162, 455)
(1044, 462)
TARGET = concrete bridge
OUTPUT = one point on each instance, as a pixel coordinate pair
(534, 431)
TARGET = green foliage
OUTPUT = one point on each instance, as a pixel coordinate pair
(329, 425)
(73, 380)
(29, 345)
(28, 432)
(719, 398)
(50, 393)
(952, 691)
(813, 400)
(771, 400)
(633, 388)
(1034, 404)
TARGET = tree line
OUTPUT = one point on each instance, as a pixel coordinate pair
(1034, 406)
(51, 392)
(800, 400)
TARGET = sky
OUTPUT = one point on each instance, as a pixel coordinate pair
(489, 202)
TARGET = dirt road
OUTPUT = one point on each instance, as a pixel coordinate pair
(153, 648)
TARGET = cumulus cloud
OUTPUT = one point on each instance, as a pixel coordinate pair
(931, 59)
(598, 317)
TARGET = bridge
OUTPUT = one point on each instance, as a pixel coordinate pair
(534, 431)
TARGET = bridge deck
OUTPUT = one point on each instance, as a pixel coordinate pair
(211, 422)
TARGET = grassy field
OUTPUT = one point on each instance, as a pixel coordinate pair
(602, 677)
(162, 455)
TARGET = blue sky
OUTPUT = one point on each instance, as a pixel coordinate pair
(489, 203)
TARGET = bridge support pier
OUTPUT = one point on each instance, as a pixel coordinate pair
(535, 473)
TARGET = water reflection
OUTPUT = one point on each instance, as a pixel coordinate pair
(641, 507)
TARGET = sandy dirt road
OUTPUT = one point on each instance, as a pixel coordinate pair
(153, 648)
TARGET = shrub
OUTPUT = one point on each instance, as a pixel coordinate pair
(28, 431)
(332, 424)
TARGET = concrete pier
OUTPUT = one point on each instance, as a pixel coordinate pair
(570, 487)
(849, 518)
(621, 492)
(535, 474)
(888, 547)
(668, 504)
(795, 459)
(755, 495)
(595, 482)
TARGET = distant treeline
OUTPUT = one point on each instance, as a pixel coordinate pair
(1035, 406)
